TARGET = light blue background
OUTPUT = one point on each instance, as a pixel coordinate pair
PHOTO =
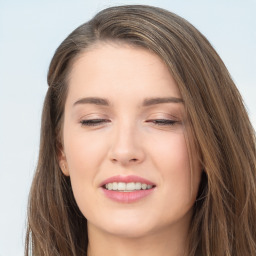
(30, 31)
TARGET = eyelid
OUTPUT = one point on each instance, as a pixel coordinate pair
(93, 116)
(162, 119)
(163, 115)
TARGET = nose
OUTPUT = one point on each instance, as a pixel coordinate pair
(126, 146)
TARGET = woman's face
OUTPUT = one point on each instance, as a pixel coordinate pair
(124, 143)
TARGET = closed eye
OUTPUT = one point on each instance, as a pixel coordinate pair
(162, 122)
(159, 122)
(94, 122)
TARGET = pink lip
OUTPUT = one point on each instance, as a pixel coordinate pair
(126, 197)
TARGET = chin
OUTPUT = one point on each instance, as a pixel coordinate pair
(127, 227)
(128, 231)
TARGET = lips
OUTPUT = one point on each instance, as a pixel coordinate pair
(127, 189)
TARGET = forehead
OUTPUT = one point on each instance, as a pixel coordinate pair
(120, 69)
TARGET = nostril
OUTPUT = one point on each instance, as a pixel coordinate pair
(133, 160)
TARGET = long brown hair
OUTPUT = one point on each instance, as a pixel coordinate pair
(224, 219)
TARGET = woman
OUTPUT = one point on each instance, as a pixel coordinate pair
(146, 147)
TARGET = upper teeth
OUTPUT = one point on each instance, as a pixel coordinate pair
(131, 186)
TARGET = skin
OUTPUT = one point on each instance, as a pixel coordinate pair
(131, 141)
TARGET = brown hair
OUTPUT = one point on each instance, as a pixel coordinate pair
(224, 221)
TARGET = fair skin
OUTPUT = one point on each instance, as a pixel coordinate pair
(117, 88)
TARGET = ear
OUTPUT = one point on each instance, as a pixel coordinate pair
(63, 163)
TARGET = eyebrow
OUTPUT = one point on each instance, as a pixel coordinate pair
(154, 101)
(93, 100)
(146, 102)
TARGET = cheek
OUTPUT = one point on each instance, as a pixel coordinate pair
(84, 156)
(84, 153)
(171, 153)
(179, 179)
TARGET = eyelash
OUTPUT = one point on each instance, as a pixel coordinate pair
(162, 122)
(94, 122)
(159, 122)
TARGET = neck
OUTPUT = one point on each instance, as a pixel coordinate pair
(168, 242)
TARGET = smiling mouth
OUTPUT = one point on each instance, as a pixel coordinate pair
(127, 187)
